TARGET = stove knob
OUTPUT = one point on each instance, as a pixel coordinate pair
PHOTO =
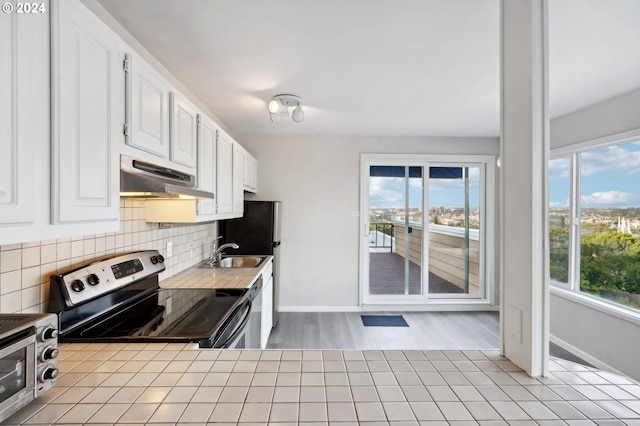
(77, 286)
(48, 354)
(154, 259)
(48, 374)
(49, 333)
(93, 279)
(160, 259)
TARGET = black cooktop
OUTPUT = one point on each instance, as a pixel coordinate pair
(119, 299)
(166, 315)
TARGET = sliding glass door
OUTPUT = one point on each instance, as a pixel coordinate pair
(454, 230)
(411, 256)
(395, 229)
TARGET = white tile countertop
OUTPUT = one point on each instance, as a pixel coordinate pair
(205, 277)
(179, 384)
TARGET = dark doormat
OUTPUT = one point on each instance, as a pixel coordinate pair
(383, 321)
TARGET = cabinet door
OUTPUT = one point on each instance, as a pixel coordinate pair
(24, 115)
(238, 179)
(206, 165)
(250, 172)
(206, 154)
(224, 168)
(183, 127)
(267, 312)
(147, 104)
(88, 112)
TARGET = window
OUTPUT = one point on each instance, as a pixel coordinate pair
(559, 219)
(599, 255)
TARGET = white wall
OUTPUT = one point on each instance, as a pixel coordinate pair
(616, 115)
(605, 340)
(317, 179)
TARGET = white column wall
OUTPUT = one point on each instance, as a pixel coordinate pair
(524, 153)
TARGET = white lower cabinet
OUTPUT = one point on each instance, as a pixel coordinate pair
(266, 323)
(88, 114)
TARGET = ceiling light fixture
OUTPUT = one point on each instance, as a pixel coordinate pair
(279, 107)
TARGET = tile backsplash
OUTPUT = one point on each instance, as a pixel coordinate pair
(25, 268)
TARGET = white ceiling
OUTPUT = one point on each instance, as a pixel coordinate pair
(377, 67)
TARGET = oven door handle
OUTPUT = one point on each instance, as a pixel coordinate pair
(240, 328)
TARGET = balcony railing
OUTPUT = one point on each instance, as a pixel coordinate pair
(381, 236)
(448, 258)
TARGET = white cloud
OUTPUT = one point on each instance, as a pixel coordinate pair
(558, 204)
(608, 159)
(559, 168)
(611, 198)
(386, 192)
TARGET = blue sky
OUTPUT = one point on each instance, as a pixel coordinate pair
(387, 192)
(610, 177)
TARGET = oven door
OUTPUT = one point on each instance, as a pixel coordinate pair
(233, 334)
(248, 336)
(17, 371)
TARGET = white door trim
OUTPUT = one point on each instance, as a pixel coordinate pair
(425, 160)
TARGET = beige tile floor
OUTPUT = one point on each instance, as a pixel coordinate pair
(176, 385)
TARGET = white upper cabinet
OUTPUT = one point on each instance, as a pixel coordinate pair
(87, 112)
(224, 167)
(24, 120)
(250, 173)
(184, 131)
(147, 108)
(207, 133)
(161, 125)
(238, 179)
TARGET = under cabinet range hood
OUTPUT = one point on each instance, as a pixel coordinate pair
(146, 180)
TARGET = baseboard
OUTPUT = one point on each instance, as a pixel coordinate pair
(439, 307)
(585, 356)
(320, 309)
(444, 307)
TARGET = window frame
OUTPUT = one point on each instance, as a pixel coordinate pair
(571, 290)
(426, 301)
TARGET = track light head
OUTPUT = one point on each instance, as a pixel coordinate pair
(279, 107)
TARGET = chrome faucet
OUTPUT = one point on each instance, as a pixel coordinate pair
(216, 252)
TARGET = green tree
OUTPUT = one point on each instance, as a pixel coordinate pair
(610, 263)
(559, 254)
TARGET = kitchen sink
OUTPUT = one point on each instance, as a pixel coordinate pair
(237, 262)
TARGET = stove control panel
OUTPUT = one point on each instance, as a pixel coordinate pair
(103, 276)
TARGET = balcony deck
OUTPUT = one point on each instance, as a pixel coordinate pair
(386, 276)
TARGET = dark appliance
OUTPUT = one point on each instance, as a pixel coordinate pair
(258, 233)
(28, 359)
(118, 299)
